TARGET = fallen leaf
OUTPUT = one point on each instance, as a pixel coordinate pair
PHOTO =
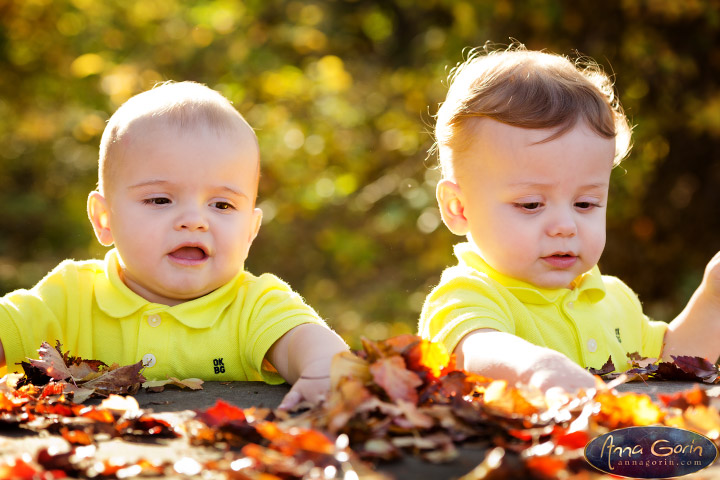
(398, 382)
(626, 410)
(685, 399)
(125, 379)
(191, 383)
(51, 362)
(608, 367)
(346, 364)
(699, 367)
(509, 401)
(425, 355)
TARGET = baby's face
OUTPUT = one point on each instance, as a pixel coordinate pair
(181, 210)
(536, 210)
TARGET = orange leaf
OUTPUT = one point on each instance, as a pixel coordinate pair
(547, 466)
(628, 410)
(430, 356)
(397, 381)
(508, 401)
(76, 437)
(290, 441)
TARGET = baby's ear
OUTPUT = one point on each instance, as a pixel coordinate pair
(256, 222)
(452, 208)
(99, 215)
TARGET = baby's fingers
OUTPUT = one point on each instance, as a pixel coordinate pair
(291, 400)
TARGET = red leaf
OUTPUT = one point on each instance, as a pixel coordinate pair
(397, 381)
(221, 414)
(53, 388)
(683, 400)
(573, 440)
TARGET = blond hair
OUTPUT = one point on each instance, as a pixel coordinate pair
(185, 105)
(528, 89)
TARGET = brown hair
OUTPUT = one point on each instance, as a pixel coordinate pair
(177, 104)
(528, 89)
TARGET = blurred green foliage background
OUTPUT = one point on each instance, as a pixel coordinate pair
(342, 95)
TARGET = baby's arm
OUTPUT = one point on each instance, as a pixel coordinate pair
(302, 357)
(696, 331)
(501, 355)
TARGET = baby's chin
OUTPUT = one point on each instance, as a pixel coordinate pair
(555, 281)
(175, 296)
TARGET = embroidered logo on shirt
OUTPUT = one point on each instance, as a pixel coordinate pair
(219, 367)
(617, 335)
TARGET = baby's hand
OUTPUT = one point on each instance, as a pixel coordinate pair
(310, 388)
(711, 279)
(555, 371)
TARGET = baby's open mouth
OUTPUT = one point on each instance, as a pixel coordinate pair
(561, 260)
(189, 253)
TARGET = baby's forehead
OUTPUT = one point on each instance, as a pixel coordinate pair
(151, 133)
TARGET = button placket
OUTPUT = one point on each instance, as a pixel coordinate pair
(149, 343)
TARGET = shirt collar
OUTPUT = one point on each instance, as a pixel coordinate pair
(116, 300)
(589, 285)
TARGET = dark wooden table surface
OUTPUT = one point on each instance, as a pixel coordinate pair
(176, 405)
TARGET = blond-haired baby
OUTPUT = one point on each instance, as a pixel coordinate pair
(178, 178)
(527, 141)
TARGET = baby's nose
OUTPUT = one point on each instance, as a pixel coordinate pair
(191, 219)
(562, 225)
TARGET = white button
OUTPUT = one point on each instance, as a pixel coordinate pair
(154, 320)
(570, 305)
(592, 345)
(149, 360)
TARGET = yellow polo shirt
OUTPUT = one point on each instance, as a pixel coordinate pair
(223, 335)
(600, 317)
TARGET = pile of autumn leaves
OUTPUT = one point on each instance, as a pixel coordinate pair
(398, 397)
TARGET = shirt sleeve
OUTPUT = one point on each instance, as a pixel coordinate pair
(30, 317)
(460, 304)
(276, 309)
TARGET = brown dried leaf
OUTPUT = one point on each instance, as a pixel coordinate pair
(191, 383)
(608, 367)
(397, 381)
(346, 364)
(51, 362)
(700, 367)
(125, 379)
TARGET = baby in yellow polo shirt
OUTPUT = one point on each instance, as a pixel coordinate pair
(527, 141)
(178, 176)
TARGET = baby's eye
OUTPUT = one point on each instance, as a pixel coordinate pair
(156, 201)
(222, 205)
(529, 206)
(586, 205)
